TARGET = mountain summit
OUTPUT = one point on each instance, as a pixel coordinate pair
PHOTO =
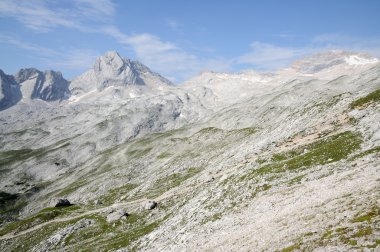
(113, 70)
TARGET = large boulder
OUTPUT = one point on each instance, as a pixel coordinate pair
(117, 215)
(60, 202)
(150, 205)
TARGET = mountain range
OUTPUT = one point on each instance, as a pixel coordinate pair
(249, 161)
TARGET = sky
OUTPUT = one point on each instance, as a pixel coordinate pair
(182, 38)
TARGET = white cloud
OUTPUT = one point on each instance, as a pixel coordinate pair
(268, 57)
(162, 56)
(265, 56)
(72, 59)
(42, 15)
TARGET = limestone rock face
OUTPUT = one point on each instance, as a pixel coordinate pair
(48, 86)
(10, 92)
(112, 70)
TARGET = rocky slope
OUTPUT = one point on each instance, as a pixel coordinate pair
(237, 162)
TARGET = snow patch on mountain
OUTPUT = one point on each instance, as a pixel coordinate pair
(357, 60)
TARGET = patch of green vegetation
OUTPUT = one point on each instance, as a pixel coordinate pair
(11, 156)
(164, 155)
(138, 153)
(72, 187)
(365, 153)
(43, 216)
(261, 161)
(296, 180)
(279, 157)
(327, 234)
(366, 100)
(374, 245)
(262, 188)
(113, 194)
(374, 212)
(125, 240)
(164, 184)
(291, 248)
(28, 241)
(112, 236)
(209, 130)
(322, 152)
(246, 131)
(212, 218)
(363, 232)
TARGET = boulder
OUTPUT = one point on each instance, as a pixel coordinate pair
(117, 215)
(150, 205)
(60, 202)
(98, 202)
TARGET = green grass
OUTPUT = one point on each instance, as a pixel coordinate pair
(209, 130)
(365, 101)
(41, 217)
(363, 232)
(112, 236)
(110, 197)
(164, 155)
(12, 156)
(138, 153)
(164, 184)
(291, 248)
(72, 187)
(212, 218)
(322, 152)
(367, 217)
(365, 153)
(28, 241)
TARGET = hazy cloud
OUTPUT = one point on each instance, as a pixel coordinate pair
(164, 57)
(266, 56)
(42, 16)
(69, 59)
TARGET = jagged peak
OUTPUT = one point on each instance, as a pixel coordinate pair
(26, 73)
(111, 61)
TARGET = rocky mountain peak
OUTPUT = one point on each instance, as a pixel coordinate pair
(113, 70)
(25, 74)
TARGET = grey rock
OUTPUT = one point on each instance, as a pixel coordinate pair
(47, 86)
(98, 202)
(113, 70)
(10, 92)
(116, 215)
(57, 202)
(150, 205)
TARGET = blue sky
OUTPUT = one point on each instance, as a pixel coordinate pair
(180, 38)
